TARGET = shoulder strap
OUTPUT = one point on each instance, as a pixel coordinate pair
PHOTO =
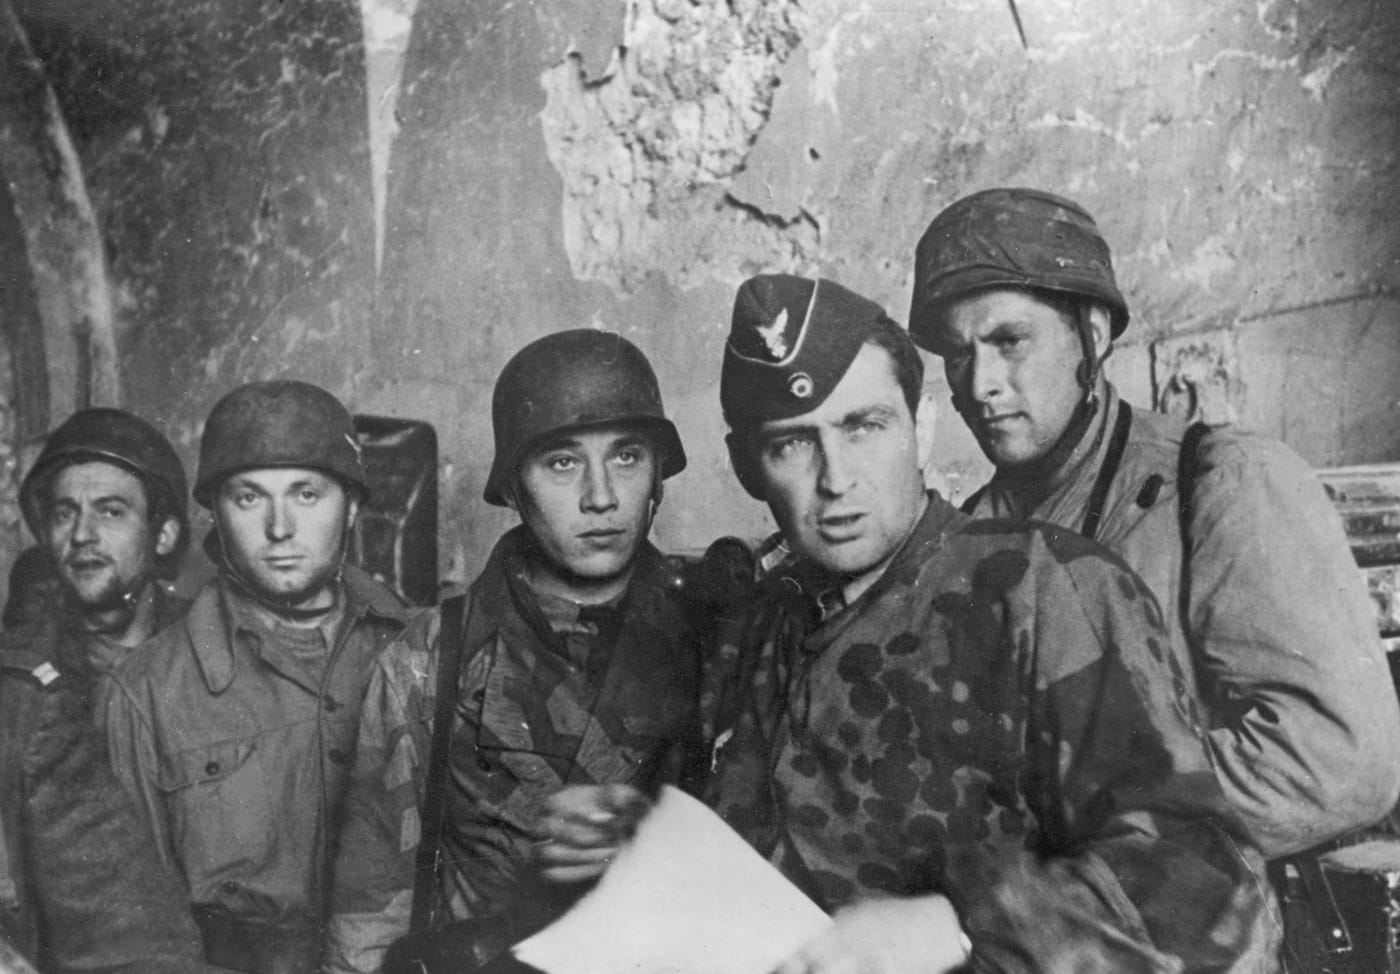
(1186, 479)
(429, 860)
(1186, 462)
(1113, 459)
(26, 664)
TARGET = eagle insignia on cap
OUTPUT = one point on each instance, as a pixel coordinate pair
(774, 335)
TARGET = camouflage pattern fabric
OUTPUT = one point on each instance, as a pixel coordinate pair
(997, 719)
(529, 720)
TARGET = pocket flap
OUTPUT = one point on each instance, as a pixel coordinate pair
(203, 764)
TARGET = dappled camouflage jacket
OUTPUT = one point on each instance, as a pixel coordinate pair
(528, 720)
(1271, 610)
(996, 719)
(81, 883)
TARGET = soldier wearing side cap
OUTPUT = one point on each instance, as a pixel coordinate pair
(575, 665)
(963, 738)
(1015, 289)
(235, 727)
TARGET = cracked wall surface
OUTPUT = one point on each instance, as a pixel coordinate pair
(625, 163)
(648, 148)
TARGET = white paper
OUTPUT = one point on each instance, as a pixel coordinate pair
(686, 896)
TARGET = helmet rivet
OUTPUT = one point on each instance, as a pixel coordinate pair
(801, 385)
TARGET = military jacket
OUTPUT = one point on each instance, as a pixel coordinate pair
(83, 886)
(996, 719)
(238, 754)
(527, 722)
(1270, 614)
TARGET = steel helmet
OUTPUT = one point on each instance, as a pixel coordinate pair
(569, 380)
(1010, 238)
(279, 423)
(108, 436)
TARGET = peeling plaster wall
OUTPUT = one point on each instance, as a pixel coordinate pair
(649, 147)
(625, 165)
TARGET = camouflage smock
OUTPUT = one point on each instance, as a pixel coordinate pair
(1303, 718)
(996, 719)
(528, 721)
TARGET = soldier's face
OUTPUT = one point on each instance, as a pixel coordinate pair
(1012, 364)
(283, 531)
(99, 534)
(844, 480)
(586, 497)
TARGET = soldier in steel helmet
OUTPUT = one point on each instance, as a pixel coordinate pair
(235, 727)
(575, 665)
(81, 884)
(1015, 289)
(963, 738)
(106, 497)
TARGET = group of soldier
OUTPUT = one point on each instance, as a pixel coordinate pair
(1063, 729)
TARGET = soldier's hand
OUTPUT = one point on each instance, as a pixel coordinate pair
(581, 828)
(908, 935)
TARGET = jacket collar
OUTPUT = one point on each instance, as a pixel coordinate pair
(211, 622)
(56, 639)
(928, 535)
(374, 596)
(493, 591)
(1025, 494)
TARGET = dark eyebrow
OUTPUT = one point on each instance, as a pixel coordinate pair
(1001, 327)
(766, 436)
(238, 483)
(857, 416)
(853, 418)
(96, 501)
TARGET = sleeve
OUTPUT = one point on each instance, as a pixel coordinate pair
(372, 887)
(1305, 717)
(1136, 864)
(103, 896)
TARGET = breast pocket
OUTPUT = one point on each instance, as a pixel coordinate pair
(220, 809)
(508, 753)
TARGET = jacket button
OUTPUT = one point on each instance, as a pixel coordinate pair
(330, 703)
(212, 768)
(338, 756)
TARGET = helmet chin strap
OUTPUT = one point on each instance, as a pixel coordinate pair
(1089, 366)
(1086, 374)
(285, 607)
(123, 605)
